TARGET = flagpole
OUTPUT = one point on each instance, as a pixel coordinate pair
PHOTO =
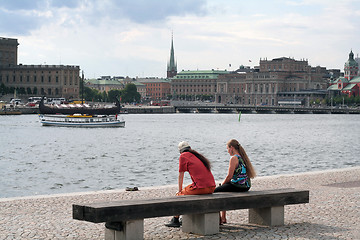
(82, 88)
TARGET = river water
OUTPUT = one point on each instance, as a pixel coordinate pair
(47, 160)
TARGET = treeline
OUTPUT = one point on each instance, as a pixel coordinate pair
(342, 99)
(127, 95)
(10, 90)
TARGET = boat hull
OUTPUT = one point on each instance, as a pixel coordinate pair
(84, 125)
(79, 110)
(81, 121)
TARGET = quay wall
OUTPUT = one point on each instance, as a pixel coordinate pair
(220, 109)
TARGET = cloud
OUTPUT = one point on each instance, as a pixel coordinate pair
(22, 16)
(142, 11)
(19, 22)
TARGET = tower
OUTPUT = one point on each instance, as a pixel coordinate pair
(171, 66)
(351, 67)
(8, 52)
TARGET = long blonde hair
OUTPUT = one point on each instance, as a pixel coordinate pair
(250, 171)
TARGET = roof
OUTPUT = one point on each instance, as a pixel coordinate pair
(349, 87)
(210, 74)
(103, 82)
(153, 80)
(355, 80)
(333, 87)
(341, 79)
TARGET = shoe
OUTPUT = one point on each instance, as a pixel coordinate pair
(174, 222)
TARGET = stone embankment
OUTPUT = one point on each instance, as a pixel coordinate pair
(333, 212)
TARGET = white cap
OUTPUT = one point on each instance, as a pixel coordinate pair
(183, 145)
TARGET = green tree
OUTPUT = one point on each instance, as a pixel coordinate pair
(3, 89)
(112, 94)
(130, 94)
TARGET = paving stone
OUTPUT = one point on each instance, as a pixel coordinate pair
(333, 212)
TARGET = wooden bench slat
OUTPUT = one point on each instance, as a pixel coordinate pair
(139, 209)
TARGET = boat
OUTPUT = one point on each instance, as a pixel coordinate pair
(70, 109)
(81, 120)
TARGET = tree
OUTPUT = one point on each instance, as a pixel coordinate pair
(3, 89)
(130, 94)
(112, 94)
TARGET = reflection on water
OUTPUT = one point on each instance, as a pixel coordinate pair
(46, 160)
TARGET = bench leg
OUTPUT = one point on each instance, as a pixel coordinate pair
(202, 224)
(125, 230)
(271, 216)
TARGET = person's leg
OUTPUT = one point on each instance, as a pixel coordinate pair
(188, 190)
(227, 187)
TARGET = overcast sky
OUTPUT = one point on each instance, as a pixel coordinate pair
(133, 38)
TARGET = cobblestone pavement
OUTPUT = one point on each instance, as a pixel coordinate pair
(333, 212)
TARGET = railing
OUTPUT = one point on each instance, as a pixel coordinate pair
(265, 109)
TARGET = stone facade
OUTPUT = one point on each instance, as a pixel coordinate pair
(37, 80)
(8, 52)
(156, 88)
(266, 84)
(196, 83)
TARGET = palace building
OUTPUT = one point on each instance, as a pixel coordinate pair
(31, 80)
(350, 83)
(278, 81)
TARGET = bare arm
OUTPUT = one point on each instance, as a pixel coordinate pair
(181, 178)
(232, 165)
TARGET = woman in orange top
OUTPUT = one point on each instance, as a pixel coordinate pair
(199, 168)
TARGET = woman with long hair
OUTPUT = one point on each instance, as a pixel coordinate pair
(239, 173)
(199, 168)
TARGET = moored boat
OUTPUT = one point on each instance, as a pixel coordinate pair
(74, 109)
(80, 120)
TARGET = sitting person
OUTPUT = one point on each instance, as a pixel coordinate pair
(199, 168)
(239, 173)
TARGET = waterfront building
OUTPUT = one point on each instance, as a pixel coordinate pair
(194, 84)
(279, 81)
(31, 80)
(156, 88)
(349, 84)
(105, 84)
(273, 82)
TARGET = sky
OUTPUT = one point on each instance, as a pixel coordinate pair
(133, 38)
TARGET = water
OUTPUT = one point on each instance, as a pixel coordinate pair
(46, 160)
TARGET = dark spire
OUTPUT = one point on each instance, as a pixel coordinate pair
(172, 66)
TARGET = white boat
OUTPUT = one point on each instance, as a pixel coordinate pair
(79, 120)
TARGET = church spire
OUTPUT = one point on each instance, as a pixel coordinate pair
(172, 66)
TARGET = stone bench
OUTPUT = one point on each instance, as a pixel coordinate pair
(125, 219)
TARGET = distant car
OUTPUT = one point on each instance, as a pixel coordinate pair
(15, 101)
